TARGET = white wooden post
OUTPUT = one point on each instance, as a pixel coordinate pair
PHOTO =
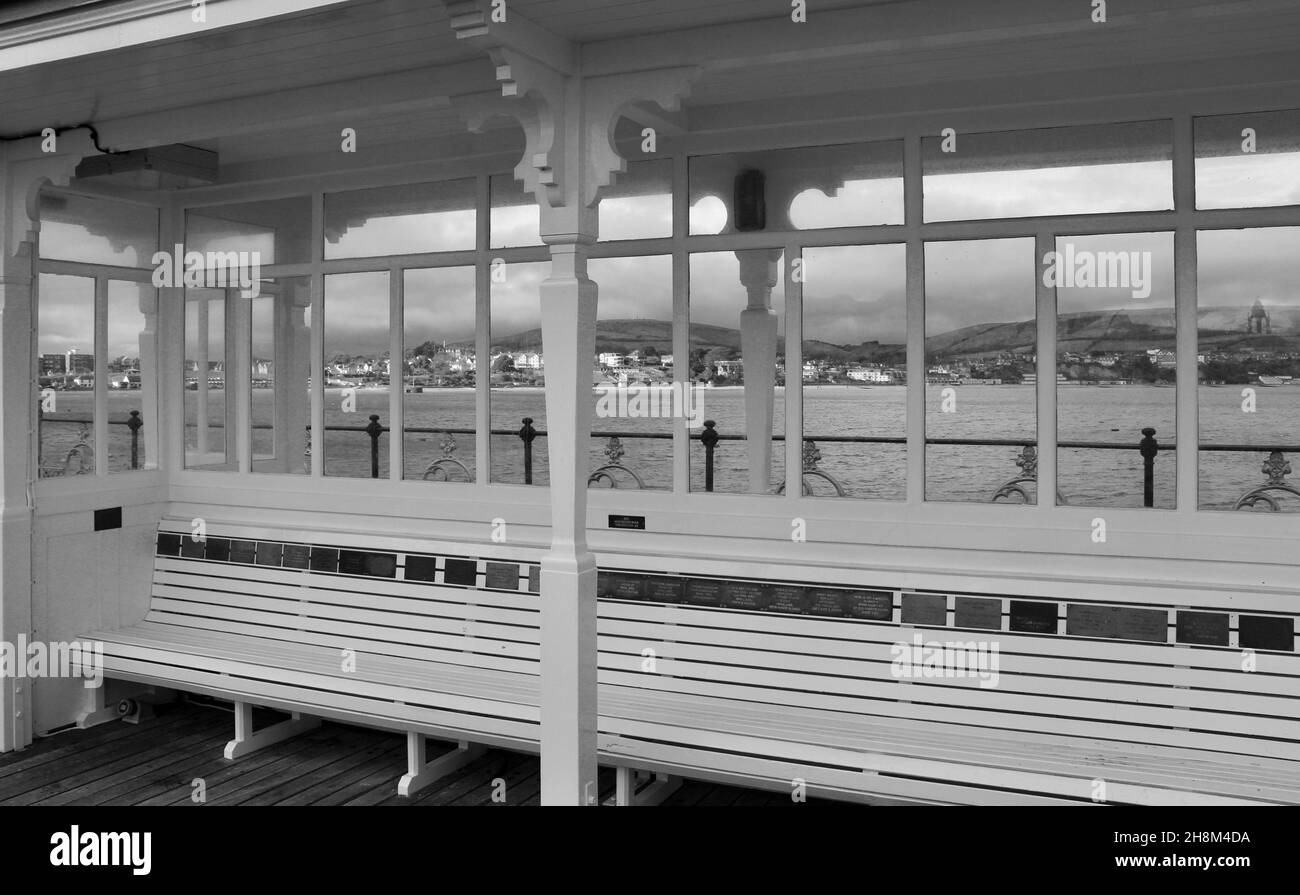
(758, 324)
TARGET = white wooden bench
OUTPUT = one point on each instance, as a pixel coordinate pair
(428, 640)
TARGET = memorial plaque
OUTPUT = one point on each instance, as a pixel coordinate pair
(975, 612)
(625, 586)
(1271, 632)
(269, 553)
(243, 551)
(297, 556)
(1033, 616)
(665, 589)
(168, 544)
(754, 595)
(503, 575)
(874, 605)
(421, 568)
(192, 549)
(925, 609)
(791, 599)
(374, 565)
(704, 592)
(534, 579)
(1117, 622)
(1206, 628)
(218, 549)
(324, 559)
(826, 601)
(460, 571)
(631, 523)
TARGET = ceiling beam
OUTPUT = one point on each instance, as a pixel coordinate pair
(476, 22)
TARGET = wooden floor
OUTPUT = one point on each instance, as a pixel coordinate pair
(157, 762)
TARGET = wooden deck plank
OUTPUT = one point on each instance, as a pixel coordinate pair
(71, 742)
(386, 759)
(340, 763)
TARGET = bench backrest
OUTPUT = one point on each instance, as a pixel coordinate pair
(1224, 680)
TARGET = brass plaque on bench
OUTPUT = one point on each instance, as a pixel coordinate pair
(169, 544)
(297, 556)
(665, 589)
(191, 548)
(502, 576)
(704, 592)
(243, 551)
(1204, 628)
(1270, 632)
(324, 559)
(1117, 622)
(218, 549)
(361, 562)
(269, 553)
(460, 571)
(534, 579)
(622, 586)
(925, 609)
(873, 605)
(1033, 616)
(973, 612)
(421, 568)
(788, 598)
(746, 595)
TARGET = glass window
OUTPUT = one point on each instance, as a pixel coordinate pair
(65, 343)
(401, 220)
(209, 416)
(639, 203)
(130, 351)
(855, 371)
(1115, 366)
(356, 374)
(810, 188)
(515, 218)
(1248, 161)
(737, 355)
(1248, 336)
(635, 401)
(981, 340)
(1091, 169)
(439, 373)
(278, 230)
(97, 231)
(280, 378)
(517, 378)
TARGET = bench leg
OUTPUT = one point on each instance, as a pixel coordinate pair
(94, 711)
(420, 773)
(247, 741)
(625, 793)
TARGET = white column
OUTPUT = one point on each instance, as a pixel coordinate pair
(758, 324)
(568, 586)
(149, 378)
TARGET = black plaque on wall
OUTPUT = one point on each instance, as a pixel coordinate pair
(665, 589)
(791, 599)
(974, 612)
(752, 595)
(297, 556)
(460, 571)
(631, 523)
(421, 568)
(1204, 628)
(1270, 632)
(925, 609)
(1033, 616)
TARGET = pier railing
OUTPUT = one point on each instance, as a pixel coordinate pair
(616, 473)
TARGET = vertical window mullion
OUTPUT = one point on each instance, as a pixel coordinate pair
(396, 378)
(794, 363)
(482, 333)
(1186, 419)
(913, 211)
(317, 336)
(1045, 243)
(681, 319)
(100, 413)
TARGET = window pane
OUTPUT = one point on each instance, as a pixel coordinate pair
(97, 231)
(278, 230)
(1248, 324)
(633, 373)
(280, 378)
(401, 220)
(855, 370)
(209, 416)
(517, 372)
(1235, 169)
(65, 341)
(745, 395)
(1064, 170)
(1115, 366)
(356, 373)
(130, 373)
(981, 341)
(811, 188)
(639, 204)
(515, 216)
(438, 407)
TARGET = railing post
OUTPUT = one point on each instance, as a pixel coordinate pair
(709, 437)
(526, 434)
(374, 430)
(1149, 449)
(134, 424)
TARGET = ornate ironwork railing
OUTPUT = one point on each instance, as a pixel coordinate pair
(811, 456)
(1276, 468)
(614, 451)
